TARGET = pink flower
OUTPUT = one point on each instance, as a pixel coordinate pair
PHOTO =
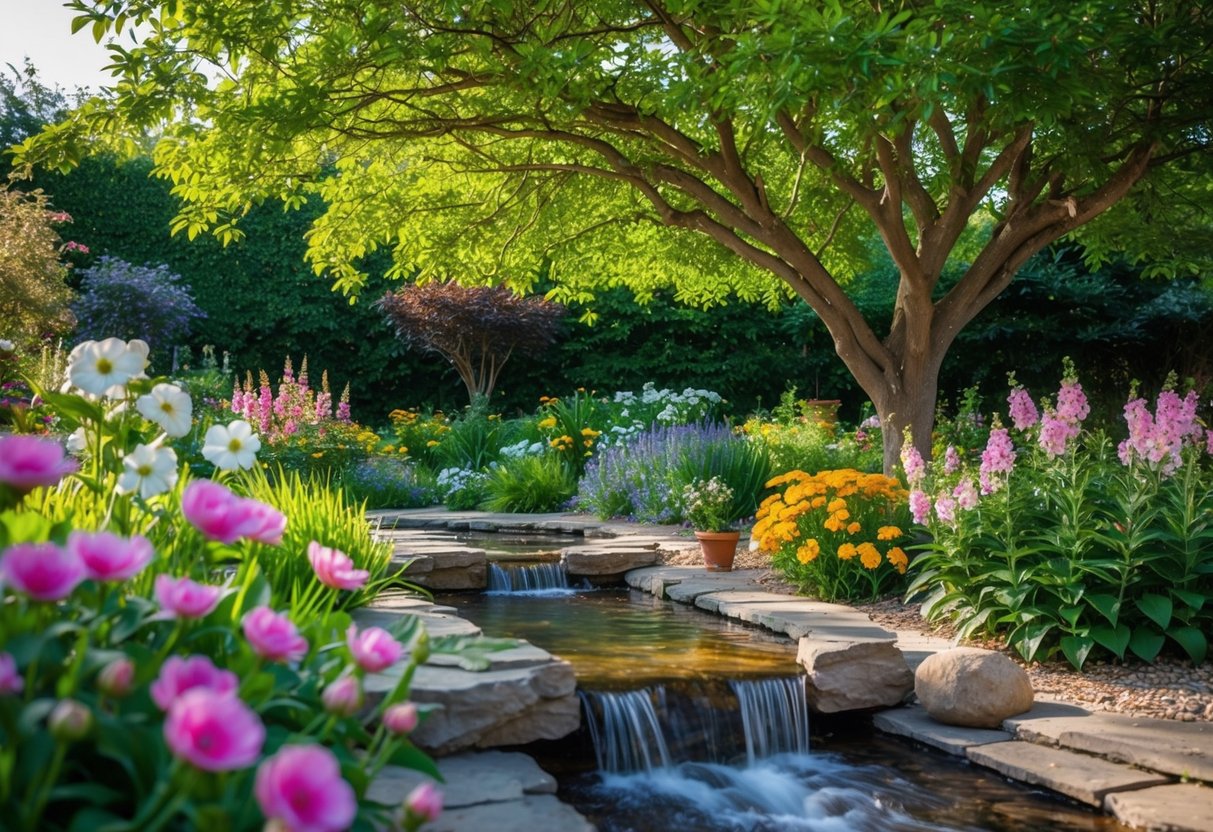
(301, 786)
(117, 677)
(179, 675)
(10, 677)
(373, 649)
(273, 636)
(920, 507)
(218, 513)
(266, 523)
(1055, 433)
(27, 462)
(183, 598)
(343, 697)
(951, 460)
(965, 493)
(1072, 405)
(334, 568)
(107, 557)
(945, 508)
(911, 461)
(42, 571)
(997, 461)
(213, 731)
(1022, 409)
(424, 803)
(401, 718)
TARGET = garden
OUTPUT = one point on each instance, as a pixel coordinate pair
(849, 288)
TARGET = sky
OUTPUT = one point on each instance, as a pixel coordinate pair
(41, 30)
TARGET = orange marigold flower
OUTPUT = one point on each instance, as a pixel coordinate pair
(869, 556)
(847, 551)
(888, 533)
(833, 524)
(836, 505)
(808, 552)
(898, 558)
(818, 502)
(853, 527)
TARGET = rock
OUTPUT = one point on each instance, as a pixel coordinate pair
(853, 675)
(972, 687)
(592, 561)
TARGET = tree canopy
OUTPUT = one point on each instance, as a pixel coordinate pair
(489, 137)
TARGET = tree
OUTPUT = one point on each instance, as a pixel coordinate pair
(476, 328)
(34, 294)
(717, 147)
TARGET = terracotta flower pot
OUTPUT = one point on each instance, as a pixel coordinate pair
(718, 549)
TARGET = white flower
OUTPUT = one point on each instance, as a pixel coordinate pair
(97, 367)
(169, 407)
(148, 469)
(231, 446)
(77, 442)
(6, 346)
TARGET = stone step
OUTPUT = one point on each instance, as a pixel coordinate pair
(1085, 778)
(914, 723)
(1179, 807)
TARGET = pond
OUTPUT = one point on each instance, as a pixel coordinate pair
(696, 722)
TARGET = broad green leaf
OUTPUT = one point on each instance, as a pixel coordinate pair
(1077, 648)
(1192, 640)
(1146, 642)
(1107, 605)
(1114, 639)
(1157, 608)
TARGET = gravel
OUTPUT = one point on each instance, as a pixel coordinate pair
(1169, 688)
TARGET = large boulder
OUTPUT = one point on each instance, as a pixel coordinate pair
(972, 687)
(853, 675)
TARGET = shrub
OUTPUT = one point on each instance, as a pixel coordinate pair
(389, 482)
(532, 483)
(474, 440)
(121, 300)
(836, 534)
(420, 433)
(34, 295)
(462, 488)
(1072, 545)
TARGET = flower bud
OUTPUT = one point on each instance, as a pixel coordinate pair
(421, 649)
(70, 720)
(401, 718)
(116, 678)
(424, 804)
(343, 697)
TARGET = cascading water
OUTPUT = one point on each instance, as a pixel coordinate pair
(528, 578)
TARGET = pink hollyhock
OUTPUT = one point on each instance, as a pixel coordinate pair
(107, 557)
(27, 462)
(343, 697)
(213, 731)
(183, 598)
(920, 507)
(273, 636)
(334, 568)
(42, 571)
(266, 523)
(179, 675)
(1022, 409)
(10, 677)
(216, 512)
(373, 649)
(401, 718)
(117, 677)
(301, 786)
(424, 803)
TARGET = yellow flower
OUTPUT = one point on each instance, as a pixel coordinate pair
(809, 551)
(818, 502)
(853, 527)
(317, 455)
(898, 558)
(545, 424)
(833, 523)
(402, 450)
(847, 551)
(888, 533)
(590, 432)
(432, 443)
(869, 556)
(836, 505)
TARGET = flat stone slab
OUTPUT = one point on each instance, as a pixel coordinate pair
(530, 814)
(469, 779)
(1184, 749)
(437, 624)
(917, 725)
(916, 647)
(1179, 807)
(1086, 779)
(592, 560)
(798, 618)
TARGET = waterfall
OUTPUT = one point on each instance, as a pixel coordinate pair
(706, 721)
(528, 577)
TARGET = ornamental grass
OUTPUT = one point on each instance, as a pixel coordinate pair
(837, 534)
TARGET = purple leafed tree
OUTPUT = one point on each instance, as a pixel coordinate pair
(476, 328)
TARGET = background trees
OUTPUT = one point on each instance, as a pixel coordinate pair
(34, 295)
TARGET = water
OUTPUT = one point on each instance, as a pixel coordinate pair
(528, 578)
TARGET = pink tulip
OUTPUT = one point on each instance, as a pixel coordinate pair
(424, 803)
(213, 731)
(42, 571)
(343, 697)
(117, 677)
(273, 636)
(266, 523)
(10, 677)
(218, 513)
(183, 598)
(27, 462)
(107, 557)
(301, 786)
(373, 649)
(401, 719)
(334, 568)
(69, 720)
(179, 675)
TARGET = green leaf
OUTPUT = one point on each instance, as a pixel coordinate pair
(1077, 648)
(1146, 642)
(1193, 600)
(1028, 639)
(1107, 605)
(1192, 640)
(1071, 615)
(1114, 639)
(1157, 608)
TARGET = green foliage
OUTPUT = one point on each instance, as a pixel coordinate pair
(809, 445)
(474, 441)
(34, 294)
(531, 483)
(389, 482)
